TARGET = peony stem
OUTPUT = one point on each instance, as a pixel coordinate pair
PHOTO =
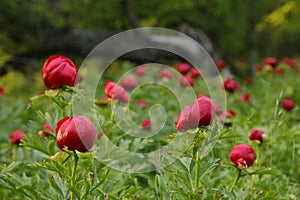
(197, 171)
(73, 175)
(236, 179)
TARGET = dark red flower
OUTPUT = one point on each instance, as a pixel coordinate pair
(109, 87)
(242, 156)
(230, 85)
(75, 133)
(203, 110)
(196, 72)
(273, 62)
(248, 81)
(290, 62)
(140, 71)
(287, 104)
(183, 68)
(102, 101)
(278, 70)
(185, 120)
(245, 98)
(256, 134)
(186, 81)
(16, 137)
(225, 117)
(46, 127)
(258, 69)
(218, 108)
(165, 73)
(1, 91)
(141, 102)
(146, 125)
(59, 71)
(221, 64)
(129, 83)
(120, 94)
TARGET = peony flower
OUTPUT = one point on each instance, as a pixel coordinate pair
(75, 133)
(141, 103)
(16, 137)
(185, 120)
(165, 73)
(1, 91)
(287, 104)
(258, 69)
(46, 127)
(221, 64)
(108, 88)
(256, 134)
(290, 62)
(146, 125)
(196, 72)
(59, 71)
(129, 83)
(140, 71)
(248, 81)
(102, 101)
(273, 62)
(120, 94)
(183, 68)
(186, 81)
(230, 85)
(225, 117)
(203, 110)
(242, 156)
(245, 98)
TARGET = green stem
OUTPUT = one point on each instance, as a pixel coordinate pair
(235, 180)
(73, 175)
(197, 171)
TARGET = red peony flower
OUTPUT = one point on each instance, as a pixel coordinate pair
(203, 110)
(230, 85)
(165, 73)
(242, 156)
(1, 91)
(186, 81)
(46, 127)
(185, 120)
(278, 71)
(109, 87)
(16, 137)
(140, 71)
(256, 134)
(129, 83)
(290, 62)
(221, 64)
(245, 98)
(183, 68)
(218, 108)
(287, 104)
(146, 125)
(120, 94)
(258, 69)
(76, 133)
(273, 62)
(225, 117)
(196, 72)
(141, 102)
(102, 101)
(248, 81)
(59, 71)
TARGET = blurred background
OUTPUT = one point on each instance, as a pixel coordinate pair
(241, 32)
